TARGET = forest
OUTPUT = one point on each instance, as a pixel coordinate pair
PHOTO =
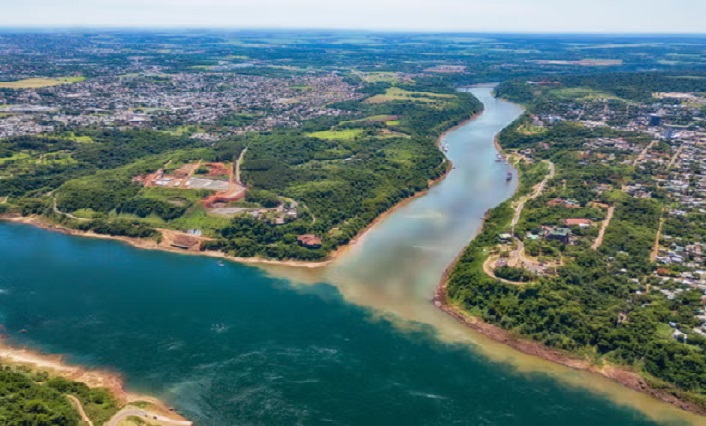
(30, 398)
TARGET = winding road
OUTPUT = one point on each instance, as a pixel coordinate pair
(69, 215)
(519, 253)
(131, 411)
(76, 403)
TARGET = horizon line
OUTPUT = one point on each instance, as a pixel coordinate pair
(62, 27)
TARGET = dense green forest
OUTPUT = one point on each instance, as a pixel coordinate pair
(628, 86)
(36, 399)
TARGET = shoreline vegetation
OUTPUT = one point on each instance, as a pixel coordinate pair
(111, 381)
(621, 374)
(153, 244)
(55, 366)
(96, 378)
(300, 206)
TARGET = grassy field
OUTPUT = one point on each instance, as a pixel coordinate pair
(183, 130)
(15, 157)
(174, 195)
(390, 120)
(381, 77)
(80, 139)
(198, 218)
(337, 135)
(397, 94)
(34, 83)
(581, 93)
(59, 157)
(71, 136)
(528, 129)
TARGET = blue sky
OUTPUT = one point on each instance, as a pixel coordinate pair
(614, 16)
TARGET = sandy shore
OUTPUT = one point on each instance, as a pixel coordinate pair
(622, 375)
(55, 365)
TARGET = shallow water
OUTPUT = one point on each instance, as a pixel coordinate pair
(358, 342)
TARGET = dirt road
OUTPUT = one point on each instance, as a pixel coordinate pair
(538, 189)
(69, 215)
(601, 233)
(655, 246)
(238, 164)
(643, 153)
(675, 157)
(76, 403)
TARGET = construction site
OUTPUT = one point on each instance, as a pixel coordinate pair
(221, 178)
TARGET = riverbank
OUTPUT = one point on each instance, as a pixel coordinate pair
(620, 374)
(55, 366)
(152, 244)
(114, 382)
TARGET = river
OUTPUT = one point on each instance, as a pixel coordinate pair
(356, 343)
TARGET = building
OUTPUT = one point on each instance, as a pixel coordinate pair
(655, 120)
(309, 241)
(559, 234)
(583, 223)
(560, 202)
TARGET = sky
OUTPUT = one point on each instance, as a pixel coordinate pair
(538, 16)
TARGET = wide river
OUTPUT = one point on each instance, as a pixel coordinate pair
(356, 343)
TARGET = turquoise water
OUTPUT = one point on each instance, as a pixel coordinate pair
(228, 345)
(358, 343)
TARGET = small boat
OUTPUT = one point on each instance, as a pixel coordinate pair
(220, 263)
(498, 158)
(509, 176)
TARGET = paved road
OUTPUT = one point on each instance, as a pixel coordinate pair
(130, 411)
